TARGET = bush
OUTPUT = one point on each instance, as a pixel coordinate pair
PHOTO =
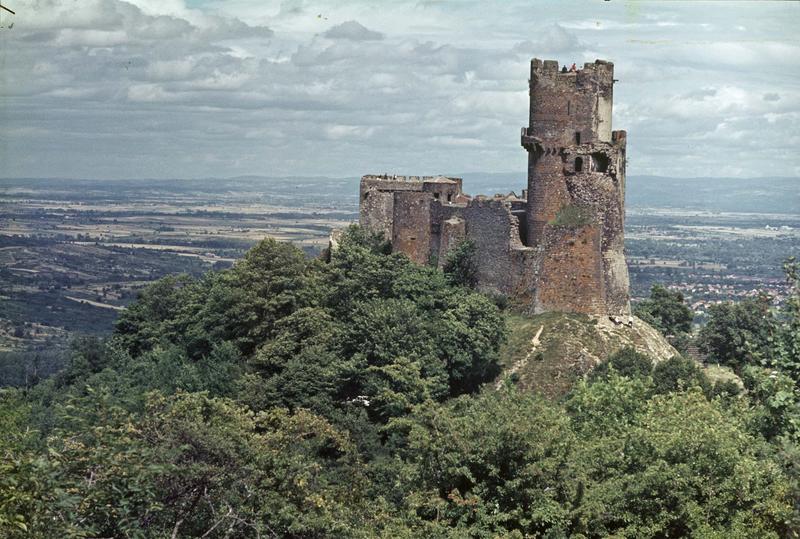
(625, 362)
(679, 373)
(460, 266)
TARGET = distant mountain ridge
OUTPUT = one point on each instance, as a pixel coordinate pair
(747, 195)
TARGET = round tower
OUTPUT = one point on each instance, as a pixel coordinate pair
(567, 110)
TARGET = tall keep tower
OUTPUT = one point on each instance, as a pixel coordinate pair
(576, 189)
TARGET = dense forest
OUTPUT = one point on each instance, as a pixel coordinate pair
(348, 396)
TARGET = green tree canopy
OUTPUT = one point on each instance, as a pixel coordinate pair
(738, 334)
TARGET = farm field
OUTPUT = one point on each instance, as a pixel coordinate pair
(73, 253)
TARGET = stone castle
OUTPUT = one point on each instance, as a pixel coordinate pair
(558, 247)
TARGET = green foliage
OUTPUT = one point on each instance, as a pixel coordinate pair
(461, 265)
(738, 334)
(573, 216)
(726, 388)
(625, 362)
(616, 464)
(667, 311)
(492, 464)
(146, 322)
(607, 406)
(779, 413)
(678, 373)
(190, 465)
(369, 328)
(786, 355)
(294, 398)
(680, 468)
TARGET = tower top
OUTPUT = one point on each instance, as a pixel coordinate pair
(599, 71)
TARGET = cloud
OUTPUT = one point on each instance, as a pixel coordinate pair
(112, 88)
(336, 132)
(553, 39)
(353, 31)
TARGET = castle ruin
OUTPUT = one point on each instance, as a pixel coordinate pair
(558, 247)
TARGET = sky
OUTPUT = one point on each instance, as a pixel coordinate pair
(114, 89)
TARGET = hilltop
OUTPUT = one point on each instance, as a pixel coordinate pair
(547, 353)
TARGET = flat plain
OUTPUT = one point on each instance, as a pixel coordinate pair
(73, 253)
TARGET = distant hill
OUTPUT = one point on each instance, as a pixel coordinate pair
(759, 195)
(750, 195)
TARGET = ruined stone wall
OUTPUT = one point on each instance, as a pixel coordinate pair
(571, 274)
(443, 192)
(453, 232)
(495, 231)
(411, 231)
(488, 224)
(376, 211)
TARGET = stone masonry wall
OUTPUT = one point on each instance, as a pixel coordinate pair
(411, 232)
(571, 269)
(489, 225)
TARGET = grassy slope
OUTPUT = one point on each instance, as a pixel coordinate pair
(568, 347)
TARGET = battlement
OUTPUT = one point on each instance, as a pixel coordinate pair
(412, 179)
(599, 71)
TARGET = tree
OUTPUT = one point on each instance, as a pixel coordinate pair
(386, 333)
(667, 311)
(147, 321)
(492, 464)
(786, 354)
(243, 304)
(678, 373)
(190, 466)
(461, 266)
(684, 467)
(777, 399)
(738, 334)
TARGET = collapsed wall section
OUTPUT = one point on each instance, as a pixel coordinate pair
(504, 264)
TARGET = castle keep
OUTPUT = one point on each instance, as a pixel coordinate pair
(558, 247)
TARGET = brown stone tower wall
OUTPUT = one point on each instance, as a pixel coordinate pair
(571, 271)
(566, 109)
(575, 162)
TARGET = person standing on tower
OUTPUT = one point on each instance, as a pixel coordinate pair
(573, 69)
